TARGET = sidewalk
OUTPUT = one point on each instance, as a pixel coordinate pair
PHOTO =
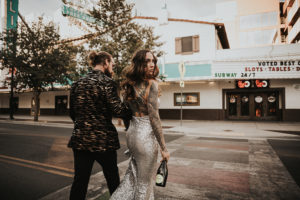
(227, 129)
(212, 160)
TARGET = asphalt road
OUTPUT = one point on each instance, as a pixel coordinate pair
(289, 153)
(35, 160)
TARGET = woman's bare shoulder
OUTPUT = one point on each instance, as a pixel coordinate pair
(153, 82)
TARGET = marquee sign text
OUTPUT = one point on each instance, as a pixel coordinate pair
(260, 69)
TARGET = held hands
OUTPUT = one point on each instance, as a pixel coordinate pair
(165, 155)
(126, 124)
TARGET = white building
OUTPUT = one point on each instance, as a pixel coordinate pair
(257, 83)
(268, 76)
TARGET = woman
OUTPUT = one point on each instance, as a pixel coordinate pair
(145, 131)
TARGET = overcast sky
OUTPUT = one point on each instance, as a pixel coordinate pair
(148, 7)
(206, 10)
(48, 7)
(193, 9)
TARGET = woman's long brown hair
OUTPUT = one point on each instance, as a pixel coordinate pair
(135, 73)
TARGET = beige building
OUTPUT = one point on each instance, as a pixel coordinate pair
(250, 23)
(289, 31)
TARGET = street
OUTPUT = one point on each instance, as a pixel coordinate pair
(289, 153)
(35, 160)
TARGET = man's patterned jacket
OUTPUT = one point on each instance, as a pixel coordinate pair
(93, 103)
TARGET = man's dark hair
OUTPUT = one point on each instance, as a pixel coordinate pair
(96, 58)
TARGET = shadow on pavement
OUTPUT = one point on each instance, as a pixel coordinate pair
(286, 132)
(289, 153)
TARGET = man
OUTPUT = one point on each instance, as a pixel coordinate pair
(93, 103)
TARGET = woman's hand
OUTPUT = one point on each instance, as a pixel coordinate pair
(165, 155)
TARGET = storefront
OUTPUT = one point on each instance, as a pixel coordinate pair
(260, 90)
(255, 104)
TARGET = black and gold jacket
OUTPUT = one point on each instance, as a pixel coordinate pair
(93, 103)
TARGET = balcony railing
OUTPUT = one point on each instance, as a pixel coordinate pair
(287, 3)
(293, 11)
(290, 2)
(294, 31)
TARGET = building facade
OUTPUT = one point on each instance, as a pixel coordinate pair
(250, 23)
(289, 31)
(255, 83)
(258, 83)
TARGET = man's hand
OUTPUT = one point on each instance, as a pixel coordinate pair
(126, 123)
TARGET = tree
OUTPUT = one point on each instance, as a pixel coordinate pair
(118, 34)
(40, 59)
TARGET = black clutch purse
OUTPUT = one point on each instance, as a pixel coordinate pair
(162, 174)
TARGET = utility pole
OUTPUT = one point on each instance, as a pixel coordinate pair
(11, 21)
(11, 99)
(181, 68)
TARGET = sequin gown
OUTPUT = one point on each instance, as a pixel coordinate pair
(142, 143)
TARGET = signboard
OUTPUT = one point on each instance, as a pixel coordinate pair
(187, 99)
(181, 69)
(256, 69)
(243, 84)
(181, 84)
(257, 83)
(72, 12)
(12, 14)
(262, 83)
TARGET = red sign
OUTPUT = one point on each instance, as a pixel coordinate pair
(257, 83)
(243, 84)
(261, 83)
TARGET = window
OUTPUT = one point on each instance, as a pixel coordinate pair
(233, 105)
(187, 45)
(188, 99)
(258, 37)
(272, 104)
(259, 20)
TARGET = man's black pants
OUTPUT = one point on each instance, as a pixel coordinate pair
(83, 164)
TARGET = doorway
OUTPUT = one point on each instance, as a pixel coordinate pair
(61, 104)
(253, 105)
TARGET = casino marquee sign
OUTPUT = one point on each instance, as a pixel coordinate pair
(256, 69)
(255, 83)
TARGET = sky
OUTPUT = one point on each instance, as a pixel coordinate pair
(48, 7)
(205, 10)
(194, 9)
(148, 7)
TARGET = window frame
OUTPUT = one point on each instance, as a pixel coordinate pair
(195, 45)
(197, 103)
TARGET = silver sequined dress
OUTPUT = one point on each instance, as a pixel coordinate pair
(138, 181)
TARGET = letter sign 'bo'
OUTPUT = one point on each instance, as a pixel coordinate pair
(243, 84)
(261, 83)
(12, 14)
